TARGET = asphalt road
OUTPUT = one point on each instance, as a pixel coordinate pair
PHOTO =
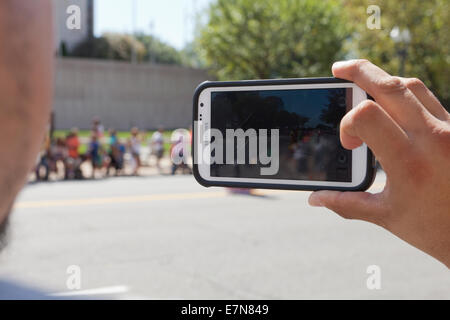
(170, 238)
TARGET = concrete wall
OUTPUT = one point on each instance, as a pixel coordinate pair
(122, 94)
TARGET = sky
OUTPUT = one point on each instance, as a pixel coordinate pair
(172, 21)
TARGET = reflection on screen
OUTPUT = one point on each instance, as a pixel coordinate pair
(308, 123)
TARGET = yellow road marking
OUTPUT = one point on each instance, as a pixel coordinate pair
(123, 199)
(147, 198)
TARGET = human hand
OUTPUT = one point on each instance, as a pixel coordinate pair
(408, 130)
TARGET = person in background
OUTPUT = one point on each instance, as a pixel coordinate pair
(44, 159)
(97, 128)
(94, 154)
(58, 154)
(157, 146)
(115, 154)
(134, 145)
(72, 162)
(178, 154)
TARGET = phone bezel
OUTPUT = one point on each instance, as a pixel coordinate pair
(363, 171)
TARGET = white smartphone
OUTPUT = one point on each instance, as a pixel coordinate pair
(279, 134)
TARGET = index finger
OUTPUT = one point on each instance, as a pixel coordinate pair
(368, 122)
(390, 92)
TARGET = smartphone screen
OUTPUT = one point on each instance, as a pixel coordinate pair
(307, 124)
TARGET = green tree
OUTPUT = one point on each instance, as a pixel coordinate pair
(245, 39)
(117, 46)
(335, 110)
(112, 46)
(190, 57)
(428, 52)
(157, 51)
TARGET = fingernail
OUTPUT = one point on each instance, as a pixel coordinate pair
(340, 64)
(314, 200)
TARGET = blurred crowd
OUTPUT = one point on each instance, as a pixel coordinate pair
(104, 153)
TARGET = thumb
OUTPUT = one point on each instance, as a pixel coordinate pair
(352, 205)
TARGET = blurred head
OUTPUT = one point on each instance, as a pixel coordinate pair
(26, 69)
(134, 131)
(60, 142)
(74, 131)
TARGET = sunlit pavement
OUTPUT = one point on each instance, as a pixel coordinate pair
(168, 237)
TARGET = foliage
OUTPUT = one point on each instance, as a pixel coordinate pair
(335, 110)
(190, 58)
(428, 53)
(157, 51)
(116, 46)
(246, 39)
(112, 46)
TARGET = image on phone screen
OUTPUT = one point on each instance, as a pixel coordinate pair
(308, 126)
